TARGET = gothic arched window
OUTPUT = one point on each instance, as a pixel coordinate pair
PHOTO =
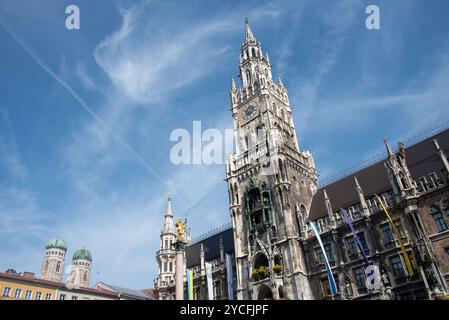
(297, 219)
(303, 211)
(236, 193)
(446, 206)
(58, 266)
(231, 194)
(254, 52)
(248, 77)
(438, 218)
(85, 276)
(275, 109)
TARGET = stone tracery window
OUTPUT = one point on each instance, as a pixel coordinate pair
(438, 218)
(275, 110)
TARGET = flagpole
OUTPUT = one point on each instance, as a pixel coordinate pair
(332, 284)
(404, 252)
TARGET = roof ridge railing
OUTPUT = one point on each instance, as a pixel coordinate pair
(382, 155)
(211, 232)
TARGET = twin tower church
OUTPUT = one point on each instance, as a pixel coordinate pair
(274, 196)
(52, 268)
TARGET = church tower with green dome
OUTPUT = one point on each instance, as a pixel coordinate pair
(53, 265)
(80, 270)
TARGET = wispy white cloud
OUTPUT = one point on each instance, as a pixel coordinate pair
(157, 65)
(10, 158)
(83, 75)
(150, 59)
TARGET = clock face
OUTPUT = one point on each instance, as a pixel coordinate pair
(249, 111)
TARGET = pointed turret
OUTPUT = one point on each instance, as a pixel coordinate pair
(281, 84)
(442, 156)
(328, 205)
(165, 255)
(398, 172)
(168, 220)
(389, 148)
(233, 85)
(249, 37)
(361, 196)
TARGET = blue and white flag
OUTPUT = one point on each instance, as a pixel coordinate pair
(332, 284)
(230, 277)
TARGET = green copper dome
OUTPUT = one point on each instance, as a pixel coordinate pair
(82, 254)
(56, 243)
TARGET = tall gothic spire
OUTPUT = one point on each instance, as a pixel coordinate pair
(249, 37)
(169, 211)
(168, 223)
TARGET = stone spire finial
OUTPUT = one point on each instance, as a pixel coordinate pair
(169, 211)
(168, 221)
(361, 196)
(389, 148)
(441, 155)
(328, 205)
(327, 202)
(280, 81)
(249, 37)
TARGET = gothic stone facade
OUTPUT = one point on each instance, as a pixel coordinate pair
(413, 182)
(269, 180)
(273, 195)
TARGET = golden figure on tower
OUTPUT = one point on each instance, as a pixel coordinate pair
(180, 228)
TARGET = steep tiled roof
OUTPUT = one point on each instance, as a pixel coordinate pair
(421, 159)
(55, 284)
(211, 247)
(132, 293)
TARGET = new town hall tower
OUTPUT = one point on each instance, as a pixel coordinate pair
(271, 183)
(398, 208)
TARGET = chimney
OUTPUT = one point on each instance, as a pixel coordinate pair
(28, 275)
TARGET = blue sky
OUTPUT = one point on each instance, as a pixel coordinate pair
(86, 115)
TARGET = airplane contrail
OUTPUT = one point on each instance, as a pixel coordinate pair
(97, 118)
